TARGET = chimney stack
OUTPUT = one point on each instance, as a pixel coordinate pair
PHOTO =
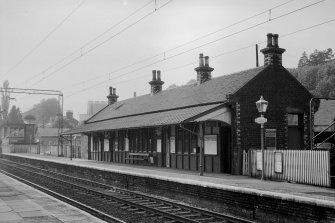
(204, 70)
(156, 83)
(272, 52)
(112, 97)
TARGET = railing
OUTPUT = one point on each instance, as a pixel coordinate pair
(301, 166)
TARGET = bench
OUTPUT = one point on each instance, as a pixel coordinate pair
(140, 156)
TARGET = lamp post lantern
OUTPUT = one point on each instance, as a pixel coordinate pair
(262, 105)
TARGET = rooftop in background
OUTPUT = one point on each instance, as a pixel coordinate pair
(325, 115)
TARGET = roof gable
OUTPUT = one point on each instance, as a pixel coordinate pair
(212, 91)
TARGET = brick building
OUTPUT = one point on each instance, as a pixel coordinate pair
(165, 128)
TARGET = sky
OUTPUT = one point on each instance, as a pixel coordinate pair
(82, 47)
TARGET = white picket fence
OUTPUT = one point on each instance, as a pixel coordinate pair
(301, 166)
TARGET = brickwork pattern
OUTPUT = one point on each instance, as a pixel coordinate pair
(284, 94)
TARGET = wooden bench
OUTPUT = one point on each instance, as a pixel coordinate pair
(140, 156)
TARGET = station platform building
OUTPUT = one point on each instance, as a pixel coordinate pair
(206, 125)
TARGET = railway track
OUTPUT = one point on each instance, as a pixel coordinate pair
(136, 207)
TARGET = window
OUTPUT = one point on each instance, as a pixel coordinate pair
(295, 131)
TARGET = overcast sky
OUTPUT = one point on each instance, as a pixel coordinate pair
(71, 45)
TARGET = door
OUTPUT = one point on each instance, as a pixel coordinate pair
(295, 131)
(225, 147)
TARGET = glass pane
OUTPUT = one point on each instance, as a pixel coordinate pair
(293, 119)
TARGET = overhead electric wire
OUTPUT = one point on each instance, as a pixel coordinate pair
(188, 42)
(92, 40)
(219, 39)
(215, 56)
(105, 41)
(44, 39)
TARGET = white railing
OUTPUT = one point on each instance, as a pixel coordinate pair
(301, 166)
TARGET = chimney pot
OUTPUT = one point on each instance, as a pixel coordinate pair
(272, 53)
(135, 94)
(154, 75)
(204, 70)
(159, 75)
(201, 60)
(269, 35)
(112, 97)
(275, 40)
(207, 61)
(156, 83)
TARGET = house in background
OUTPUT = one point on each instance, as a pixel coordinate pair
(166, 128)
(324, 125)
(17, 136)
(49, 143)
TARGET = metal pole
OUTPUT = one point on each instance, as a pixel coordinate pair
(71, 148)
(61, 123)
(201, 158)
(262, 148)
(257, 65)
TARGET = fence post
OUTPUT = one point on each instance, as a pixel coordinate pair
(331, 172)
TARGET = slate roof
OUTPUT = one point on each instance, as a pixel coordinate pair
(325, 115)
(152, 119)
(168, 106)
(214, 90)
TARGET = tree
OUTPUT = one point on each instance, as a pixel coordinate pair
(5, 97)
(45, 110)
(316, 58)
(15, 116)
(303, 61)
(29, 118)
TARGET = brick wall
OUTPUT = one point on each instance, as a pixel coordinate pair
(251, 206)
(284, 94)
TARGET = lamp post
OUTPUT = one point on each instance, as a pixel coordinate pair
(262, 105)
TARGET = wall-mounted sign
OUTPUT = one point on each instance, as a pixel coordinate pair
(211, 146)
(126, 144)
(270, 138)
(278, 162)
(106, 145)
(172, 144)
(259, 165)
(159, 145)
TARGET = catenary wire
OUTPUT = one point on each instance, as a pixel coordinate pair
(79, 50)
(215, 56)
(219, 39)
(44, 39)
(105, 41)
(186, 43)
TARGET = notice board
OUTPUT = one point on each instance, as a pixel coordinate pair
(211, 145)
(270, 138)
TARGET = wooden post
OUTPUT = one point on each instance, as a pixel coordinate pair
(201, 159)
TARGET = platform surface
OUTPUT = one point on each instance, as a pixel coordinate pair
(300, 193)
(20, 203)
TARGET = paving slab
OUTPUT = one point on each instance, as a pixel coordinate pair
(20, 203)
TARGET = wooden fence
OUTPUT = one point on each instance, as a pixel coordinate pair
(21, 148)
(301, 166)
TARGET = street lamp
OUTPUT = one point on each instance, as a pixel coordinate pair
(262, 105)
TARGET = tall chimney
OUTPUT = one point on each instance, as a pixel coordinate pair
(204, 70)
(156, 83)
(272, 52)
(112, 97)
